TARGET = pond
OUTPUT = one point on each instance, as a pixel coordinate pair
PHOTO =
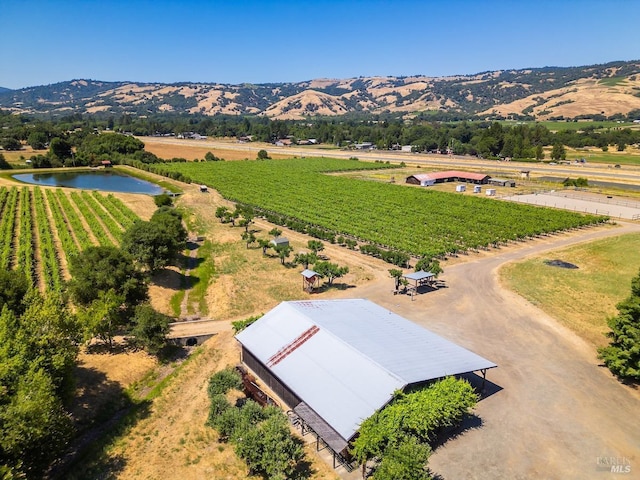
(104, 180)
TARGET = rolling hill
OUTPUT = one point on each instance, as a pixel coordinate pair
(540, 93)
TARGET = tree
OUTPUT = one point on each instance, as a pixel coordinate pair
(558, 152)
(101, 269)
(4, 165)
(10, 144)
(315, 246)
(163, 200)
(60, 148)
(248, 237)
(246, 221)
(34, 428)
(275, 231)
(13, 289)
(283, 252)
(397, 275)
(264, 244)
(305, 259)
(221, 213)
(427, 264)
(539, 152)
(263, 155)
(37, 140)
(407, 460)
(150, 328)
(151, 245)
(622, 356)
(154, 244)
(330, 271)
(102, 318)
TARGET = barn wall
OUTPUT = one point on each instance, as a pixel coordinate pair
(413, 180)
(269, 379)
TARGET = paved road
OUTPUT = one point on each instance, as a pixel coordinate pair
(555, 410)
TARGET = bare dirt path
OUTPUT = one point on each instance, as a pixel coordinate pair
(558, 411)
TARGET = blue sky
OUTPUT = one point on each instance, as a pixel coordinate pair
(239, 41)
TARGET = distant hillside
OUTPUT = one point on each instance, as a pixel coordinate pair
(2, 89)
(540, 93)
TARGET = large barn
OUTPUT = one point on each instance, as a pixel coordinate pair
(336, 362)
(426, 179)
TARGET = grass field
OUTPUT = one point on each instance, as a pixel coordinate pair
(606, 268)
(631, 156)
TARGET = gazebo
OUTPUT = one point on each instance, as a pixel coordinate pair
(419, 279)
(310, 280)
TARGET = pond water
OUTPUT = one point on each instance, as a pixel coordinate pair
(104, 180)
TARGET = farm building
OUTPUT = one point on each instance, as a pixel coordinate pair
(280, 242)
(426, 179)
(502, 182)
(422, 179)
(336, 362)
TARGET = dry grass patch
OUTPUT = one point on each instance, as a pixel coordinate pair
(190, 149)
(581, 299)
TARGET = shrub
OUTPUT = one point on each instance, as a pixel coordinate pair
(223, 381)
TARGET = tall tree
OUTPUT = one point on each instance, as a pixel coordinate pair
(622, 356)
(100, 269)
(558, 152)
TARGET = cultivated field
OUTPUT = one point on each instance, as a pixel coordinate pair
(420, 222)
(41, 229)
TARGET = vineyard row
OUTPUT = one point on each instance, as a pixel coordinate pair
(41, 230)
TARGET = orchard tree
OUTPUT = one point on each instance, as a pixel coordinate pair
(248, 237)
(315, 246)
(276, 232)
(305, 259)
(396, 274)
(221, 213)
(264, 244)
(283, 252)
(427, 264)
(330, 271)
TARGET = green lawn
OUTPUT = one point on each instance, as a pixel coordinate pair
(581, 299)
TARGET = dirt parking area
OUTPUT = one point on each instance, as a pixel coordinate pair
(595, 204)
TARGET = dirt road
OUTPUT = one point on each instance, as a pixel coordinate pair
(555, 411)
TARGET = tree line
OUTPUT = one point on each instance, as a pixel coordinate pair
(41, 335)
(74, 140)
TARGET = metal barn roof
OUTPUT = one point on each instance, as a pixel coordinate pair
(345, 358)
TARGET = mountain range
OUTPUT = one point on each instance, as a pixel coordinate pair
(540, 93)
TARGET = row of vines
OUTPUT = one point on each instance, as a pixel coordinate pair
(40, 230)
(419, 222)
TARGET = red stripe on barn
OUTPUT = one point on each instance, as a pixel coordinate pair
(287, 350)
